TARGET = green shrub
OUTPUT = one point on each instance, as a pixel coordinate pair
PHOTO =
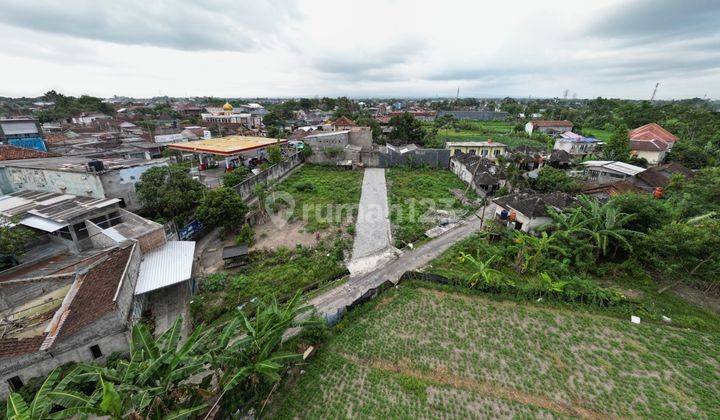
(245, 236)
(215, 282)
(304, 187)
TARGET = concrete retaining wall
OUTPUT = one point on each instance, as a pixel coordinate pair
(277, 171)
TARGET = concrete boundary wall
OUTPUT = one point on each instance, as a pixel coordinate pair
(277, 171)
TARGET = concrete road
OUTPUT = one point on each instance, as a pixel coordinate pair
(329, 303)
(372, 229)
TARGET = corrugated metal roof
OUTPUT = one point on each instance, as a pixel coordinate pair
(165, 266)
(621, 167)
(42, 223)
(18, 127)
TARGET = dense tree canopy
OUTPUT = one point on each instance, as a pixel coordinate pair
(222, 207)
(168, 192)
(406, 129)
(551, 179)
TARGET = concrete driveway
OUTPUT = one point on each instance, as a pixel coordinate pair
(372, 245)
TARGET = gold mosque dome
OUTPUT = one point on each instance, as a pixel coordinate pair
(227, 106)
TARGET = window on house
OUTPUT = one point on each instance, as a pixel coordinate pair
(64, 233)
(457, 151)
(81, 230)
(95, 350)
(496, 152)
(15, 383)
(485, 152)
(473, 152)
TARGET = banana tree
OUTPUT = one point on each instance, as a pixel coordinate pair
(248, 350)
(56, 393)
(532, 249)
(154, 382)
(482, 270)
(606, 227)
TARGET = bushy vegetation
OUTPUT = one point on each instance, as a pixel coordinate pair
(279, 273)
(598, 255)
(169, 193)
(237, 365)
(319, 193)
(415, 194)
(236, 176)
(222, 207)
(550, 179)
(437, 352)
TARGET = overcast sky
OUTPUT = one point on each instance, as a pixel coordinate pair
(239, 48)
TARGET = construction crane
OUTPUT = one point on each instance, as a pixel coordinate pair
(652, 98)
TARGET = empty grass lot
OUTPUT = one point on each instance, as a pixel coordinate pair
(414, 194)
(498, 131)
(318, 191)
(421, 352)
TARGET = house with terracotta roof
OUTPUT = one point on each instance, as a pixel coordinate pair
(653, 131)
(81, 313)
(9, 152)
(548, 127)
(653, 151)
(342, 124)
(87, 274)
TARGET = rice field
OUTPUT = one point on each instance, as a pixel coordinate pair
(419, 352)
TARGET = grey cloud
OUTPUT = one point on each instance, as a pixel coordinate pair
(658, 20)
(190, 25)
(374, 65)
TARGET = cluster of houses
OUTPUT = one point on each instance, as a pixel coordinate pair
(477, 163)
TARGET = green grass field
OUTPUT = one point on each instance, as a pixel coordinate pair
(320, 190)
(602, 135)
(280, 274)
(641, 291)
(499, 131)
(414, 194)
(420, 352)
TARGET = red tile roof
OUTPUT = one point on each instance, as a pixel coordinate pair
(343, 122)
(10, 347)
(96, 291)
(8, 152)
(653, 131)
(543, 123)
(653, 145)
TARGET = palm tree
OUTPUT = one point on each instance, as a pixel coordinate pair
(482, 270)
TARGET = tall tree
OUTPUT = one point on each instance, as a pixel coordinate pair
(406, 129)
(618, 146)
(222, 207)
(168, 192)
